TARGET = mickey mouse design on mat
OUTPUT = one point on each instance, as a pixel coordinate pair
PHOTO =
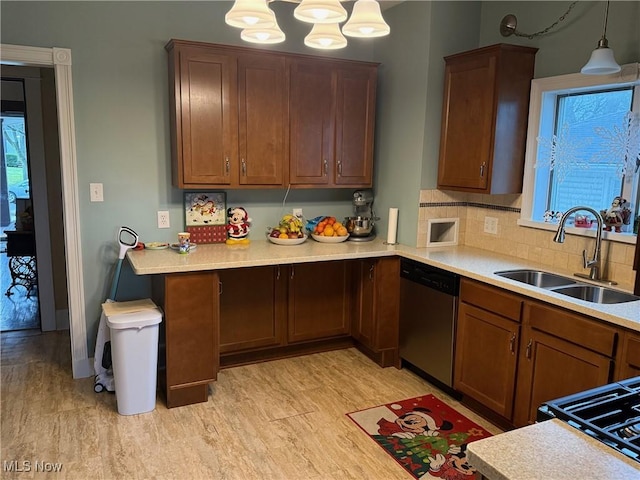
(237, 226)
(419, 421)
(455, 467)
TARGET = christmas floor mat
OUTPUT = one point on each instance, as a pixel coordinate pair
(424, 435)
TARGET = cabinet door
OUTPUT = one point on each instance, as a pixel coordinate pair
(252, 308)
(355, 114)
(191, 326)
(486, 358)
(262, 116)
(629, 364)
(312, 123)
(206, 125)
(364, 326)
(467, 123)
(318, 300)
(550, 368)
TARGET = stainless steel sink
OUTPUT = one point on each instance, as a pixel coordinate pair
(537, 278)
(596, 294)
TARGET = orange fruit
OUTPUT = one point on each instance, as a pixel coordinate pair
(328, 231)
(331, 220)
(283, 235)
(320, 228)
(337, 225)
(342, 231)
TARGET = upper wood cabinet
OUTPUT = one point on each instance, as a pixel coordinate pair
(229, 116)
(332, 108)
(484, 119)
(249, 118)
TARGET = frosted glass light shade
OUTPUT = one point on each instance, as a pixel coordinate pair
(602, 62)
(264, 35)
(325, 36)
(320, 11)
(250, 14)
(366, 20)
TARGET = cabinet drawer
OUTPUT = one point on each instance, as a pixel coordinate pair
(572, 328)
(491, 299)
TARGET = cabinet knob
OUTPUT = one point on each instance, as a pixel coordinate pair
(278, 272)
(528, 352)
(484, 164)
(512, 343)
(371, 269)
(339, 168)
(325, 167)
(227, 165)
(219, 288)
(292, 273)
(244, 167)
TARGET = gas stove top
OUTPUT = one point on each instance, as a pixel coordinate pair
(610, 413)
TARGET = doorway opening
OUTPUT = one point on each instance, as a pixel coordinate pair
(19, 305)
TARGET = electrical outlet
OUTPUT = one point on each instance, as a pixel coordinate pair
(96, 192)
(491, 225)
(163, 219)
(297, 212)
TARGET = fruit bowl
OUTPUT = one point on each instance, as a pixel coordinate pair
(323, 239)
(287, 241)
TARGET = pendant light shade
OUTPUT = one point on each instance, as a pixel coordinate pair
(602, 61)
(265, 35)
(250, 14)
(325, 36)
(320, 11)
(366, 20)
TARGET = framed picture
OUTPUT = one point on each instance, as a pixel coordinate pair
(203, 209)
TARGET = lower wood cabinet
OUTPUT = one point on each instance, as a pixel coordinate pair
(510, 363)
(253, 308)
(319, 301)
(487, 346)
(628, 364)
(376, 308)
(189, 357)
(561, 353)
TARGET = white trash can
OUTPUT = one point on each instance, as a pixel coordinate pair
(134, 355)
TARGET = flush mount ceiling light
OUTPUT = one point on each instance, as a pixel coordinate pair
(259, 23)
(601, 62)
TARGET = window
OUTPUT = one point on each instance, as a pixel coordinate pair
(583, 147)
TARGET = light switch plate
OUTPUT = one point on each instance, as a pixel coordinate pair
(96, 192)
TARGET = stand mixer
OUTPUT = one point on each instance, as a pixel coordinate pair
(360, 226)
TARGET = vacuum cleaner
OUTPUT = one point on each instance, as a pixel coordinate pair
(102, 365)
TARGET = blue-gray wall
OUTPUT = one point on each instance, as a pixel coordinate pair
(121, 104)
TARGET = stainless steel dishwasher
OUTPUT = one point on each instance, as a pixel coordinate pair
(428, 309)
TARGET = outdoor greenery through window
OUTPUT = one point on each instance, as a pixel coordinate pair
(583, 148)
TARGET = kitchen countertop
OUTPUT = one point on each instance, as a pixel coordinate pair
(466, 261)
(549, 449)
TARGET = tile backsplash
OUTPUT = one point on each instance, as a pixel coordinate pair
(514, 240)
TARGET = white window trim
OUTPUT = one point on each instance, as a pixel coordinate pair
(630, 74)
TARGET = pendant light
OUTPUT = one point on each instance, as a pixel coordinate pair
(366, 20)
(320, 11)
(325, 36)
(602, 61)
(250, 14)
(266, 35)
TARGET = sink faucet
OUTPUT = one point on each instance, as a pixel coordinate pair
(594, 263)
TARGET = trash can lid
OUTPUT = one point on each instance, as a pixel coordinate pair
(143, 318)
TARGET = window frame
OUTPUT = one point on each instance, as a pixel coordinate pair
(629, 75)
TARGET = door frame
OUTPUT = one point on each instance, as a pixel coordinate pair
(60, 60)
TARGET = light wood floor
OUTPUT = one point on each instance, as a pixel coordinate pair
(277, 420)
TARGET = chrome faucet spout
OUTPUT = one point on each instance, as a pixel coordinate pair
(594, 263)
